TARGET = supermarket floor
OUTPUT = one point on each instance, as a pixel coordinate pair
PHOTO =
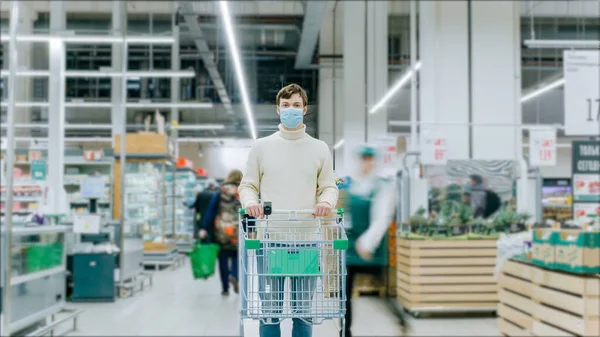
(179, 306)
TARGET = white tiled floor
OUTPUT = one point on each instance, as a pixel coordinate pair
(179, 306)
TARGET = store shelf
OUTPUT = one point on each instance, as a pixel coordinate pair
(540, 302)
(446, 276)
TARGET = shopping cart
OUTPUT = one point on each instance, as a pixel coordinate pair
(292, 265)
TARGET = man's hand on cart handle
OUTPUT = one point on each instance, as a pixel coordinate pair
(322, 209)
(255, 210)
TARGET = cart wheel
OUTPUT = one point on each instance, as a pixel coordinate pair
(125, 292)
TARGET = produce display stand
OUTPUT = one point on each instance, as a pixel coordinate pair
(539, 302)
(446, 275)
(36, 279)
(148, 212)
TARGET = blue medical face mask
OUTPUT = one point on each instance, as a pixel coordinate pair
(291, 117)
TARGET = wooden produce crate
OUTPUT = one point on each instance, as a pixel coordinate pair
(447, 275)
(391, 274)
(539, 302)
(154, 143)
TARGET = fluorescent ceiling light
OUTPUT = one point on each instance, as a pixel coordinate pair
(544, 89)
(138, 74)
(26, 126)
(93, 39)
(237, 63)
(89, 126)
(27, 73)
(84, 104)
(399, 84)
(88, 139)
(563, 44)
(27, 104)
(339, 144)
(201, 127)
(169, 105)
(203, 140)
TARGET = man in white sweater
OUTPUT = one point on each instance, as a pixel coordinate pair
(293, 171)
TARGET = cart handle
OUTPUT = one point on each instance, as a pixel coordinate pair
(340, 211)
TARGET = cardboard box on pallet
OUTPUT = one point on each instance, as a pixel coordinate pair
(543, 247)
(577, 252)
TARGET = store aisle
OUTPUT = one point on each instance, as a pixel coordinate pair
(179, 306)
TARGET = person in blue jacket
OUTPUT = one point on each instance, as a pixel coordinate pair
(371, 205)
(220, 225)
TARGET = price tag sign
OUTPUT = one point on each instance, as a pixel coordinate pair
(86, 224)
(434, 148)
(542, 147)
(582, 92)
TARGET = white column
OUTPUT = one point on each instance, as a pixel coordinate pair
(355, 95)
(24, 85)
(118, 18)
(496, 79)
(56, 118)
(377, 66)
(444, 74)
(175, 82)
(331, 84)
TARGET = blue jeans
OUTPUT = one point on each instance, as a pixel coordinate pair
(271, 291)
(228, 258)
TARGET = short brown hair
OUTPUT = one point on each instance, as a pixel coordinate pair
(234, 177)
(291, 89)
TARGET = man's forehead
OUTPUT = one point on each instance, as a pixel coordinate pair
(293, 98)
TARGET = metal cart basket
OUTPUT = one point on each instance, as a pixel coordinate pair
(292, 265)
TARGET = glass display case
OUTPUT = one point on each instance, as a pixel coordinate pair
(37, 279)
(185, 188)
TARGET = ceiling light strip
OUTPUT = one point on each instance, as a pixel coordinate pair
(135, 74)
(93, 39)
(237, 63)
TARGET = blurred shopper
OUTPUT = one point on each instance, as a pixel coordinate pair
(371, 207)
(221, 219)
(199, 206)
(293, 171)
(483, 201)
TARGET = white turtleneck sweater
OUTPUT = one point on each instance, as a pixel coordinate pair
(291, 169)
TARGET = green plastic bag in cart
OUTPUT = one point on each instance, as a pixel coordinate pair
(203, 260)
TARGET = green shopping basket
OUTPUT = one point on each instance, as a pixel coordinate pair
(203, 260)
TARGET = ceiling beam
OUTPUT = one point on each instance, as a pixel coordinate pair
(191, 21)
(311, 27)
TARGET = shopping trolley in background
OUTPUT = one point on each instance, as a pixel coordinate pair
(292, 265)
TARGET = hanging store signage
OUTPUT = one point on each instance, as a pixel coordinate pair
(582, 92)
(542, 147)
(38, 170)
(38, 144)
(434, 147)
(586, 179)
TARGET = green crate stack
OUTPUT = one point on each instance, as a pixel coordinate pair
(578, 252)
(543, 247)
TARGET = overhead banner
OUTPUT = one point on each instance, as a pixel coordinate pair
(582, 92)
(586, 179)
(542, 147)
